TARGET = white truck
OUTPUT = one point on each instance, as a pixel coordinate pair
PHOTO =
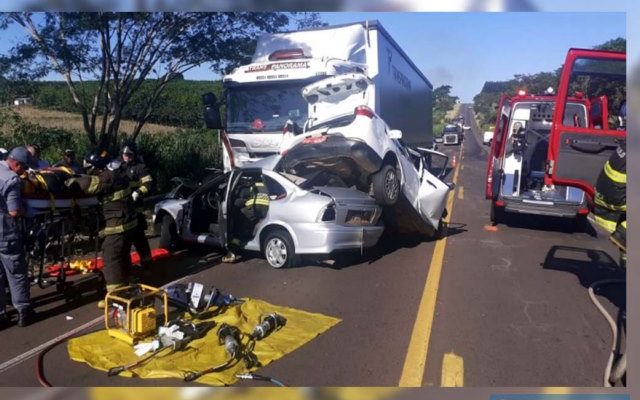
(264, 99)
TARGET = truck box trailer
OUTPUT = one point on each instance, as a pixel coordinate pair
(264, 97)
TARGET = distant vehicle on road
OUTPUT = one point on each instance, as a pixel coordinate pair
(451, 134)
(486, 138)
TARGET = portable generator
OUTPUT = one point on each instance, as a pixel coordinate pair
(130, 312)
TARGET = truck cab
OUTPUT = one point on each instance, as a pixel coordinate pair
(451, 134)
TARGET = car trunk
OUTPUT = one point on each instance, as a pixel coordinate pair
(351, 206)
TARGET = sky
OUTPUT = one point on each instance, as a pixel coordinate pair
(465, 50)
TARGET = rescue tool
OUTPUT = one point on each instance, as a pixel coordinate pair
(174, 339)
(230, 336)
(130, 313)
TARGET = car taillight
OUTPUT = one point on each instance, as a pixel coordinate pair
(365, 111)
(314, 139)
(329, 213)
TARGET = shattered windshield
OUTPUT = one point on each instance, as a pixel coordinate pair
(265, 108)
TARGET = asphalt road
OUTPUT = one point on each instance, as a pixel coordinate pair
(507, 305)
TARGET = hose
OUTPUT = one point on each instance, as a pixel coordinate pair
(612, 325)
(260, 378)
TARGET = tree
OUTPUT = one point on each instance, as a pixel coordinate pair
(121, 51)
(617, 44)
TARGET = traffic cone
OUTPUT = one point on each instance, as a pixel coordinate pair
(454, 162)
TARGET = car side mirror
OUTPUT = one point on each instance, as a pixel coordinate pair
(211, 111)
(395, 134)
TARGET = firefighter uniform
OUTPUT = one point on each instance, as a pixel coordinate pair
(253, 203)
(610, 201)
(140, 181)
(111, 186)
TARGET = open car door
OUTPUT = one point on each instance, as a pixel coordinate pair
(499, 136)
(432, 194)
(577, 154)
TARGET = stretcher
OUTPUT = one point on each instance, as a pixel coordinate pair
(57, 230)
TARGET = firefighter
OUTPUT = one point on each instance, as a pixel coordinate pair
(109, 181)
(140, 181)
(610, 201)
(253, 204)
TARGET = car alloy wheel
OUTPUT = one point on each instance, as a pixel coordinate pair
(276, 252)
(391, 185)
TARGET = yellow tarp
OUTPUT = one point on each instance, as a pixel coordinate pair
(346, 393)
(103, 352)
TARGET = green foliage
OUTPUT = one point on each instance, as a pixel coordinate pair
(443, 101)
(185, 153)
(617, 44)
(179, 105)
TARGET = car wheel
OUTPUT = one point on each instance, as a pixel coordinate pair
(279, 250)
(168, 233)
(386, 186)
(496, 214)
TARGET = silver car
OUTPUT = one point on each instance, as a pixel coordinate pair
(313, 214)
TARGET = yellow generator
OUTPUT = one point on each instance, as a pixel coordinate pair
(130, 312)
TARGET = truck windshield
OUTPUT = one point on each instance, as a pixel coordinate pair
(265, 108)
(451, 129)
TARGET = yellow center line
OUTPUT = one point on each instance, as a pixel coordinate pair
(416, 358)
(452, 371)
(461, 193)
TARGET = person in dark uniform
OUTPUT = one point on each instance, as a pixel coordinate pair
(12, 251)
(610, 201)
(140, 181)
(110, 183)
(69, 161)
(253, 204)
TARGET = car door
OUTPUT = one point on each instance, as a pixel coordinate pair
(500, 134)
(577, 154)
(188, 209)
(432, 195)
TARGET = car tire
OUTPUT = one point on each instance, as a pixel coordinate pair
(279, 250)
(386, 186)
(496, 214)
(169, 238)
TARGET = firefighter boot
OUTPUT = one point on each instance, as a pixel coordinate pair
(110, 288)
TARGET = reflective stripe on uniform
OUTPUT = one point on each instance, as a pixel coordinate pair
(112, 230)
(115, 196)
(135, 184)
(146, 179)
(143, 190)
(616, 176)
(624, 224)
(599, 201)
(606, 224)
(94, 182)
(261, 199)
